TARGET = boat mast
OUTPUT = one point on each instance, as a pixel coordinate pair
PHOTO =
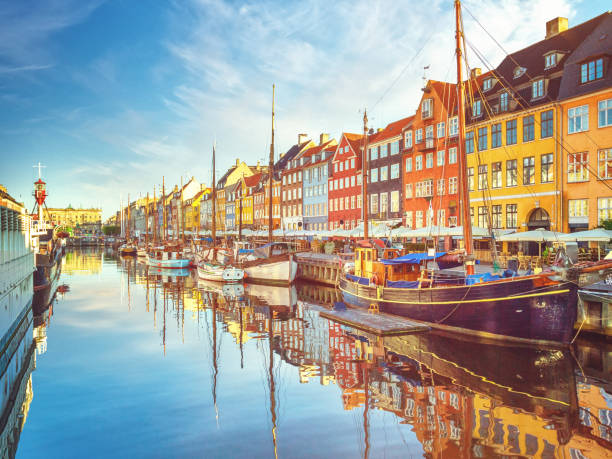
(463, 185)
(240, 209)
(165, 226)
(147, 220)
(127, 232)
(364, 167)
(214, 201)
(155, 216)
(271, 174)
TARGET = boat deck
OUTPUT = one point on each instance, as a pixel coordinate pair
(379, 323)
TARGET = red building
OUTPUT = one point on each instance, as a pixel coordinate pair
(430, 161)
(344, 184)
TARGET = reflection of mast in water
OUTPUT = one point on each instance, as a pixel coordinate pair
(241, 347)
(154, 302)
(366, 406)
(212, 300)
(164, 329)
(271, 381)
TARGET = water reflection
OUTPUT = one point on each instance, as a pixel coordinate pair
(447, 397)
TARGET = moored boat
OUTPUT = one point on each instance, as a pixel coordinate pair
(167, 258)
(219, 273)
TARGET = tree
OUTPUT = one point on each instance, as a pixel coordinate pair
(607, 224)
(110, 230)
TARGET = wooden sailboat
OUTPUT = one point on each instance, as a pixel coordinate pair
(209, 267)
(273, 263)
(540, 308)
(128, 248)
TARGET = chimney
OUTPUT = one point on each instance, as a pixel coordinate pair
(237, 162)
(475, 72)
(258, 166)
(379, 130)
(555, 27)
(302, 138)
(323, 138)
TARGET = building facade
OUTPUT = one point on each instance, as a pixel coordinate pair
(314, 191)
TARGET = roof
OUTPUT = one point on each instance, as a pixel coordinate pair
(289, 155)
(355, 141)
(253, 180)
(5, 195)
(330, 145)
(393, 129)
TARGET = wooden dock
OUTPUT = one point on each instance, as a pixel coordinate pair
(379, 323)
(319, 267)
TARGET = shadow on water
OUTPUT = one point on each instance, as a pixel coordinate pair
(448, 396)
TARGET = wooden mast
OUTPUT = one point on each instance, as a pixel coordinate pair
(463, 185)
(147, 220)
(155, 216)
(271, 175)
(127, 237)
(165, 226)
(364, 167)
(214, 202)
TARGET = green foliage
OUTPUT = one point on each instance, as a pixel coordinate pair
(607, 224)
(110, 230)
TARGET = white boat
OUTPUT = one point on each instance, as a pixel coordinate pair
(272, 271)
(219, 273)
(141, 252)
(163, 258)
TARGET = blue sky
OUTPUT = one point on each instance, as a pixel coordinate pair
(111, 95)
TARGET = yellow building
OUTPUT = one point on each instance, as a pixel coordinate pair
(73, 217)
(192, 210)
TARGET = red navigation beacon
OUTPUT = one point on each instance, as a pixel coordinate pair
(40, 191)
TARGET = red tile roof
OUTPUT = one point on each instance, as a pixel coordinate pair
(252, 180)
(393, 129)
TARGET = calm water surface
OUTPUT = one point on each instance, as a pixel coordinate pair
(131, 362)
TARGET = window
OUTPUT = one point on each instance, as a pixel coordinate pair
(395, 168)
(605, 113)
(452, 185)
(440, 158)
(604, 208)
(441, 130)
(578, 208)
(511, 216)
(346, 182)
(374, 203)
(487, 84)
(503, 102)
(529, 170)
(452, 155)
(418, 162)
(427, 108)
(395, 207)
(482, 177)
(441, 187)
(496, 135)
(384, 173)
(409, 219)
(470, 178)
(395, 147)
(346, 149)
(453, 126)
(408, 190)
(346, 165)
(374, 175)
(384, 150)
(496, 216)
(476, 109)
(519, 71)
(469, 142)
(577, 164)
(511, 132)
(511, 172)
(452, 222)
(483, 141)
(537, 89)
(528, 128)
(604, 163)
(546, 168)
(428, 188)
(418, 189)
(359, 179)
(352, 180)
(408, 164)
(592, 70)
(441, 217)
(483, 216)
(340, 183)
(578, 119)
(496, 175)
(546, 124)
(408, 139)
(550, 60)
(373, 153)
(418, 136)
(419, 219)
(429, 132)
(359, 201)
(384, 203)
(429, 160)
(331, 187)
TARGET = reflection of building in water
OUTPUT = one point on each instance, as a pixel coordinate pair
(82, 261)
(17, 362)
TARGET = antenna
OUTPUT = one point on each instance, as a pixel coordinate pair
(39, 166)
(425, 68)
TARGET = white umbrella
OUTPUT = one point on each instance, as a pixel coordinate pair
(427, 231)
(594, 235)
(537, 235)
(477, 231)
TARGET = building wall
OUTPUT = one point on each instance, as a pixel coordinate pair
(385, 188)
(344, 193)
(314, 194)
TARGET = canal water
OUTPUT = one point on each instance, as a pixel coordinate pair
(134, 362)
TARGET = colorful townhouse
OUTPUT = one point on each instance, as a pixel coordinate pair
(259, 201)
(585, 129)
(514, 134)
(291, 177)
(384, 173)
(345, 183)
(430, 162)
(231, 194)
(262, 199)
(245, 202)
(314, 191)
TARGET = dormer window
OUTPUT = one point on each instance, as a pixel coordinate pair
(476, 109)
(537, 89)
(592, 70)
(550, 60)
(519, 72)
(427, 109)
(487, 84)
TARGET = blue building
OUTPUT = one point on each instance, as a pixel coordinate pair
(314, 186)
(231, 192)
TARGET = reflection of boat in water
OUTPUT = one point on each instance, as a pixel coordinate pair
(219, 273)
(48, 269)
(268, 295)
(169, 272)
(229, 291)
